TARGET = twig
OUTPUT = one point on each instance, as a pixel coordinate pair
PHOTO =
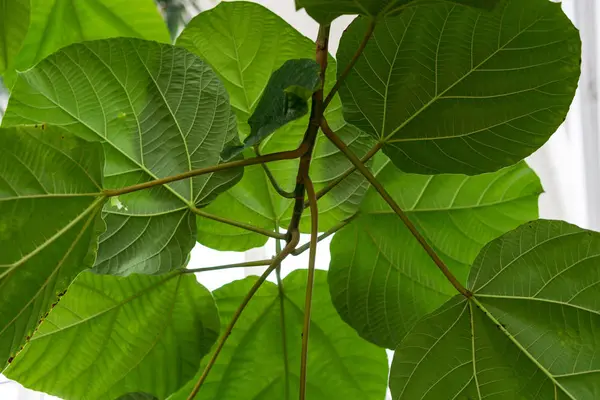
(286, 368)
(325, 235)
(236, 316)
(314, 233)
(258, 263)
(274, 184)
(352, 63)
(388, 199)
(238, 224)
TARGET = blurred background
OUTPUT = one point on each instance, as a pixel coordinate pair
(568, 165)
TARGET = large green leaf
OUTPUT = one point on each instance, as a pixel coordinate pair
(381, 280)
(340, 364)
(110, 336)
(59, 23)
(14, 21)
(325, 11)
(529, 331)
(159, 111)
(50, 203)
(450, 89)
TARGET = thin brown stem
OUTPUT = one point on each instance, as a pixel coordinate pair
(286, 368)
(392, 203)
(236, 316)
(258, 263)
(325, 235)
(314, 233)
(238, 224)
(272, 180)
(284, 155)
(348, 69)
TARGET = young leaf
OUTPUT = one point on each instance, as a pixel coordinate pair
(284, 100)
(382, 281)
(340, 364)
(159, 111)
(14, 20)
(451, 89)
(527, 333)
(109, 336)
(59, 23)
(50, 203)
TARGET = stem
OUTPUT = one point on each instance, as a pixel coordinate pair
(274, 263)
(325, 235)
(274, 184)
(314, 233)
(352, 63)
(284, 155)
(259, 263)
(331, 185)
(237, 224)
(286, 368)
(388, 199)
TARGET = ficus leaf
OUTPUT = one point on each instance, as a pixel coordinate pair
(109, 336)
(340, 364)
(382, 281)
(50, 203)
(14, 20)
(528, 332)
(159, 111)
(451, 89)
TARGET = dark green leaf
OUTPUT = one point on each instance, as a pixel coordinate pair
(50, 203)
(14, 21)
(138, 396)
(109, 336)
(340, 365)
(159, 111)
(382, 281)
(529, 331)
(285, 99)
(450, 89)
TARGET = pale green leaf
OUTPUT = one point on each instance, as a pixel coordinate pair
(14, 21)
(340, 364)
(382, 281)
(50, 203)
(60, 23)
(451, 89)
(529, 331)
(109, 336)
(159, 111)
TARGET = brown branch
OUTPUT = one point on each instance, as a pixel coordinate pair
(352, 63)
(392, 203)
(236, 316)
(325, 235)
(284, 155)
(238, 224)
(314, 233)
(258, 263)
(286, 368)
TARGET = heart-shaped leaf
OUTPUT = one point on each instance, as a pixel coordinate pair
(109, 336)
(450, 89)
(50, 203)
(382, 281)
(159, 111)
(528, 332)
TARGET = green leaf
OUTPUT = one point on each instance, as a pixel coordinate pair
(382, 281)
(14, 21)
(109, 336)
(325, 11)
(285, 99)
(50, 203)
(340, 364)
(527, 333)
(138, 396)
(450, 89)
(60, 23)
(159, 111)
(245, 43)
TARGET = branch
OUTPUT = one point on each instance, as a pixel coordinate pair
(388, 199)
(274, 184)
(286, 368)
(259, 263)
(284, 155)
(238, 224)
(236, 316)
(314, 232)
(325, 235)
(352, 63)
